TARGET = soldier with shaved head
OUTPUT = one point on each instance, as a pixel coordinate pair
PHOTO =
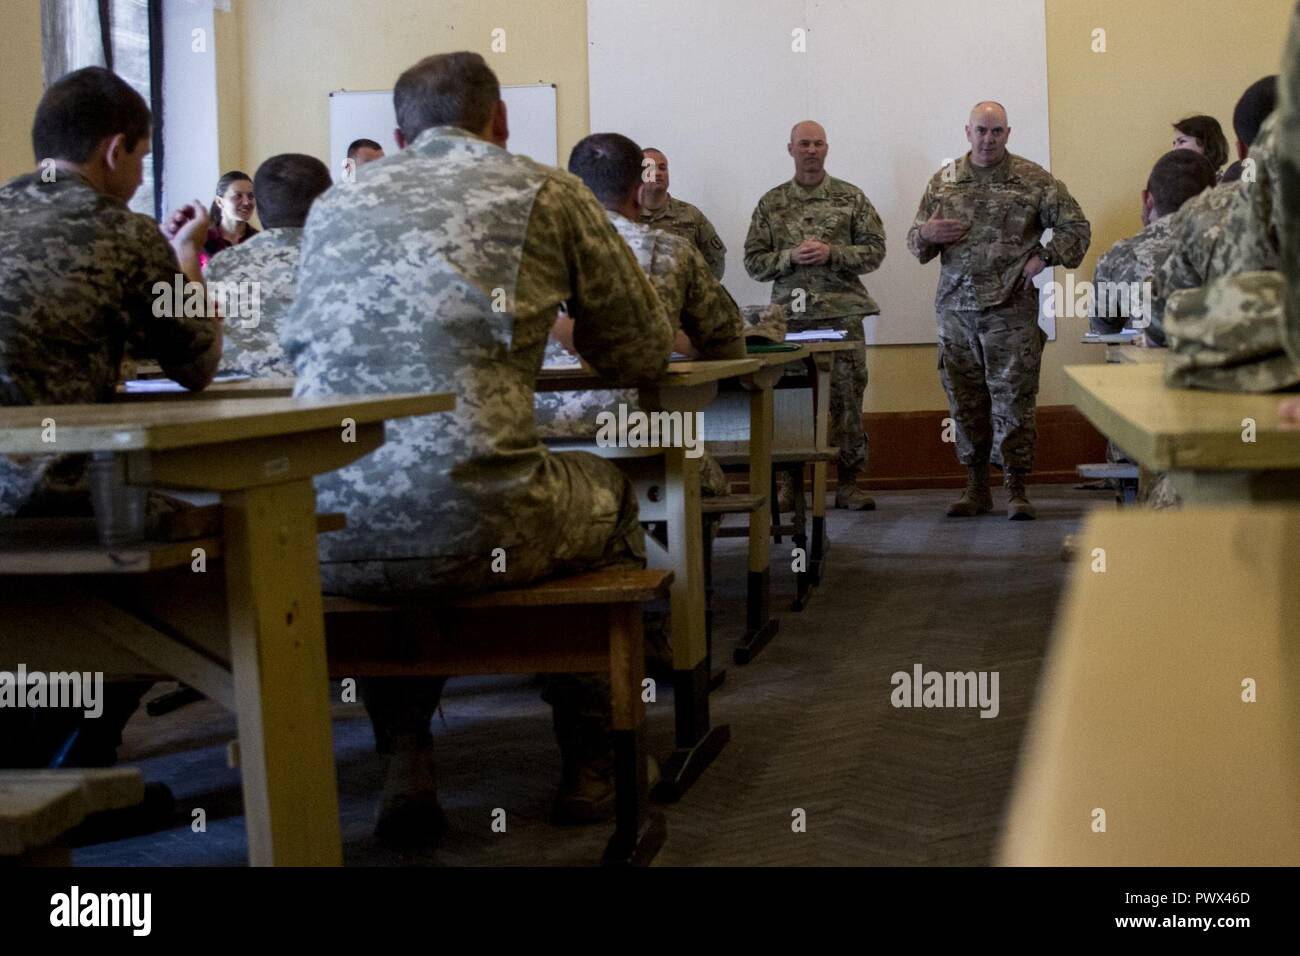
(812, 237)
(985, 218)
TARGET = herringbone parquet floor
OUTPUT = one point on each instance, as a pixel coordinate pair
(812, 725)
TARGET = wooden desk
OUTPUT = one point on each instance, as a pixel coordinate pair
(1196, 436)
(250, 388)
(268, 663)
(1141, 712)
(801, 432)
(667, 484)
(1135, 355)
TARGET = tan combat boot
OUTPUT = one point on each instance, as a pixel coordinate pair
(976, 499)
(1018, 506)
(852, 498)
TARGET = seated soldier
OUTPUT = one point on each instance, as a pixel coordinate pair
(1128, 265)
(705, 319)
(78, 272)
(286, 186)
(1197, 229)
(440, 270)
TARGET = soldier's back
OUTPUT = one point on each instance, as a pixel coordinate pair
(262, 271)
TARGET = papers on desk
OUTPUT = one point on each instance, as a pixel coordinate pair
(166, 385)
(1123, 337)
(817, 335)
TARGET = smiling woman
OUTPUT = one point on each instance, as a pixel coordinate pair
(231, 211)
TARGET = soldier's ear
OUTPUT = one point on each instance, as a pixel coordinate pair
(399, 139)
(111, 149)
(500, 125)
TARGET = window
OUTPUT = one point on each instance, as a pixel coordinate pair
(123, 35)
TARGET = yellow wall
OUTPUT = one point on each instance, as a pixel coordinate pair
(1110, 113)
(20, 51)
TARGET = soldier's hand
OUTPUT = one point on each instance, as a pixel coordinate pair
(562, 332)
(187, 228)
(940, 232)
(1034, 266)
(810, 252)
(1288, 414)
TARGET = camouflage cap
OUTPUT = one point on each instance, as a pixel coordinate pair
(767, 322)
(1228, 336)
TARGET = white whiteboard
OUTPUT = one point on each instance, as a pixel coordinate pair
(893, 82)
(369, 114)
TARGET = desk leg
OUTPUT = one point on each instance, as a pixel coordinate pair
(760, 625)
(821, 439)
(697, 742)
(277, 650)
(639, 832)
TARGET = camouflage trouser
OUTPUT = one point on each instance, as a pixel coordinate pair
(848, 392)
(989, 363)
(404, 707)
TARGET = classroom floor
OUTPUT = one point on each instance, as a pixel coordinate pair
(811, 720)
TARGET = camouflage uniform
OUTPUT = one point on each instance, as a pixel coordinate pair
(270, 259)
(828, 295)
(1240, 331)
(440, 270)
(990, 345)
(1194, 232)
(693, 300)
(1230, 334)
(684, 220)
(77, 277)
(1131, 261)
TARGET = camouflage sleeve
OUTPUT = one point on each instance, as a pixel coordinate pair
(919, 247)
(763, 260)
(868, 237)
(710, 317)
(1100, 319)
(711, 247)
(1071, 233)
(174, 341)
(619, 324)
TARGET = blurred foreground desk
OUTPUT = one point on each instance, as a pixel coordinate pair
(256, 645)
(1140, 722)
(1219, 447)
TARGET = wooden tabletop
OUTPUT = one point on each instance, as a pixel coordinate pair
(165, 390)
(678, 375)
(839, 345)
(1135, 355)
(1169, 429)
(162, 425)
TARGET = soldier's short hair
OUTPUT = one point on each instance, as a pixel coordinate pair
(447, 89)
(1206, 131)
(609, 163)
(286, 186)
(1253, 108)
(359, 144)
(1177, 176)
(81, 109)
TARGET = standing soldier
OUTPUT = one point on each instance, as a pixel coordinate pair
(986, 216)
(662, 211)
(812, 237)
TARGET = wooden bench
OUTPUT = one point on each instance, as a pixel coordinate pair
(581, 624)
(39, 807)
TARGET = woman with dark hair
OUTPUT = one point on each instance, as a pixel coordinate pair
(1205, 135)
(230, 214)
